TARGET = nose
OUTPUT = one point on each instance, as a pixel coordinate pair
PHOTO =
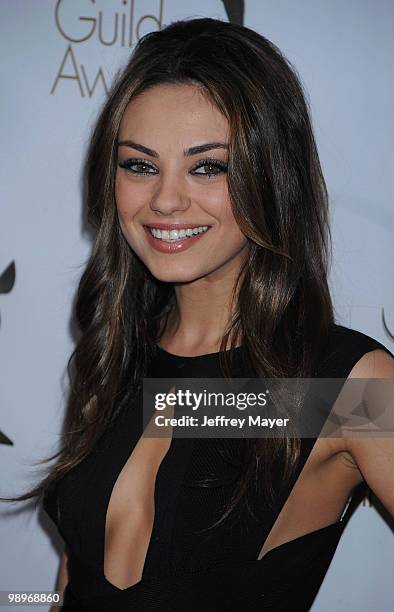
(170, 196)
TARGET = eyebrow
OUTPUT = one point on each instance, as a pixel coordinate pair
(208, 146)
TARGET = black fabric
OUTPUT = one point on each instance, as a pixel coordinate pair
(188, 567)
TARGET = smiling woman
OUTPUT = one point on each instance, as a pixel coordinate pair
(211, 257)
(182, 179)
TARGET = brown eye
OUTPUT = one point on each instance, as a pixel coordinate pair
(137, 166)
(210, 167)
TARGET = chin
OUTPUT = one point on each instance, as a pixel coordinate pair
(170, 275)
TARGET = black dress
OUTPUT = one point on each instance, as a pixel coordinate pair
(188, 567)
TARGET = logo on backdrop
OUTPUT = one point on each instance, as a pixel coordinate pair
(83, 22)
(7, 282)
(235, 10)
(79, 23)
(388, 331)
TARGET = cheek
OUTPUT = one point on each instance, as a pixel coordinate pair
(128, 199)
(216, 201)
(224, 213)
(120, 197)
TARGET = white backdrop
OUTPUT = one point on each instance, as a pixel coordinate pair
(54, 68)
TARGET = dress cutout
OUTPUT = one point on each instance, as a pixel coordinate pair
(187, 565)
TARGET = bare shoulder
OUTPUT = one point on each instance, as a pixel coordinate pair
(373, 364)
(374, 454)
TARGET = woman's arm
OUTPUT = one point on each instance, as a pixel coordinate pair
(374, 456)
(62, 579)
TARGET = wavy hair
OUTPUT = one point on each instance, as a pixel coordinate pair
(283, 309)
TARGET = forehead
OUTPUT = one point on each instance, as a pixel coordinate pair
(181, 111)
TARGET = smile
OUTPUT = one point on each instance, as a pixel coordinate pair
(174, 240)
(176, 235)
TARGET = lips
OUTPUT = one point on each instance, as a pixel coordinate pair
(173, 247)
(174, 226)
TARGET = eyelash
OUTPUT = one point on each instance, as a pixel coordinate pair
(220, 165)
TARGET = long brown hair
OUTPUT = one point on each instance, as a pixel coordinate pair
(283, 309)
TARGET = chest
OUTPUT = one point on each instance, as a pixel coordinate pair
(146, 503)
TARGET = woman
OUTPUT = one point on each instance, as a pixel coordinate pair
(211, 256)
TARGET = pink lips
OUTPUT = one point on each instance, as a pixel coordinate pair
(172, 247)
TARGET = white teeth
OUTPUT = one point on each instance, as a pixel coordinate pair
(177, 235)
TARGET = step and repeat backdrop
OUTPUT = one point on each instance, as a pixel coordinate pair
(58, 59)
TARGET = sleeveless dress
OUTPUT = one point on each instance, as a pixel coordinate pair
(189, 567)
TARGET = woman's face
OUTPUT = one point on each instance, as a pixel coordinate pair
(172, 174)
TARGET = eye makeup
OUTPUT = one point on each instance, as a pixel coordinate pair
(218, 165)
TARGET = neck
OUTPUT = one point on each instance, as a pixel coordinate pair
(200, 317)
